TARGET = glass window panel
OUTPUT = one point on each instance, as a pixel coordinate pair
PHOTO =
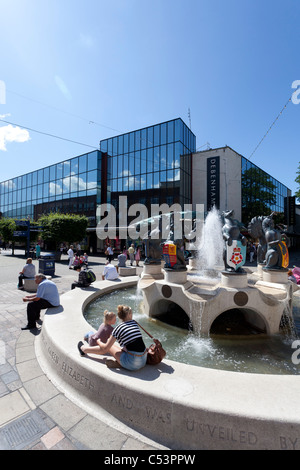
(131, 163)
(131, 141)
(156, 158)
(46, 190)
(114, 185)
(91, 179)
(149, 180)
(28, 194)
(103, 146)
(120, 184)
(92, 161)
(143, 161)
(163, 157)
(137, 161)
(82, 182)
(156, 180)
(150, 159)
(66, 185)
(119, 159)
(143, 182)
(120, 144)
(126, 143)
(137, 183)
(74, 183)
(91, 192)
(170, 175)
(137, 140)
(171, 131)
(115, 146)
(156, 135)
(171, 163)
(150, 137)
(143, 139)
(126, 164)
(66, 168)
(59, 170)
(178, 130)
(109, 146)
(74, 166)
(29, 179)
(52, 172)
(40, 177)
(163, 133)
(82, 163)
(46, 174)
(39, 191)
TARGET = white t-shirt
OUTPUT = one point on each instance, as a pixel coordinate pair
(110, 273)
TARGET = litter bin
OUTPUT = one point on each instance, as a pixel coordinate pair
(47, 264)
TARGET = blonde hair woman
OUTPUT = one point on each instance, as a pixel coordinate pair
(132, 352)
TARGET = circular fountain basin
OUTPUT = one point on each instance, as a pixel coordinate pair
(178, 406)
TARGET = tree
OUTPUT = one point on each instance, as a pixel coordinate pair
(60, 228)
(7, 228)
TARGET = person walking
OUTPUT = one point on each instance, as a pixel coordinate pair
(70, 256)
(47, 296)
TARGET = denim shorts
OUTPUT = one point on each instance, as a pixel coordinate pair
(133, 360)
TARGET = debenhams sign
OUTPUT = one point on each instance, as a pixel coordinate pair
(213, 182)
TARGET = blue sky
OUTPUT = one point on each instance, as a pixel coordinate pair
(85, 71)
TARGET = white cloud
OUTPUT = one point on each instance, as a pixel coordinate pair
(63, 87)
(12, 134)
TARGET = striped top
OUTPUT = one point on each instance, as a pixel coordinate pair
(128, 334)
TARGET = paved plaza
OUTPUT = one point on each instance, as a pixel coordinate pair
(33, 413)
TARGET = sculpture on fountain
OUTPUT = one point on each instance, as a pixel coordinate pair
(234, 251)
(273, 244)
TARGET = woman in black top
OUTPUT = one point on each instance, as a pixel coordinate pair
(131, 353)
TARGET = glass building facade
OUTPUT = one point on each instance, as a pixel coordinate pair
(261, 193)
(71, 186)
(145, 165)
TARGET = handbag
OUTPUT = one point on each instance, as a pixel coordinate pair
(155, 352)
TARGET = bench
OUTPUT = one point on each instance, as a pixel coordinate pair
(30, 285)
(127, 271)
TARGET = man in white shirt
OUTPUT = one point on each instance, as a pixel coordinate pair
(110, 273)
(47, 296)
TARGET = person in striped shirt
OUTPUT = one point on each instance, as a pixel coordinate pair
(131, 352)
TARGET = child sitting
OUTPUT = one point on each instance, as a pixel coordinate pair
(104, 331)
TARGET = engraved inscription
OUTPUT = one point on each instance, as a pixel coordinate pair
(71, 372)
(123, 402)
(158, 415)
(222, 432)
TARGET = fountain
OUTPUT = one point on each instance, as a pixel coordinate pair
(182, 406)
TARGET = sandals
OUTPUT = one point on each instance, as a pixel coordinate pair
(79, 345)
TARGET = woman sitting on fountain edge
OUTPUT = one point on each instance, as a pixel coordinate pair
(132, 352)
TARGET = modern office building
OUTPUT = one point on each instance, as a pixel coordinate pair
(154, 165)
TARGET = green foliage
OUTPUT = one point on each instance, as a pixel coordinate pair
(63, 227)
(7, 228)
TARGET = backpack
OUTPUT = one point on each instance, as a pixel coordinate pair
(90, 276)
